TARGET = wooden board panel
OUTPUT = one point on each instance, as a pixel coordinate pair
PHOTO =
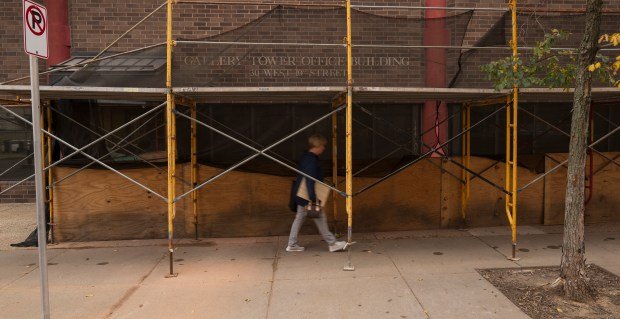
(451, 216)
(409, 200)
(603, 206)
(98, 204)
(249, 204)
(486, 206)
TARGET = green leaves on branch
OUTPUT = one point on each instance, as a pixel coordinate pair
(546, 67)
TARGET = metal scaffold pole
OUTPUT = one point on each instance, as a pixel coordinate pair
(170, 139)
(336, 103)
(50, 176)
(194, 163)
(511, 138)
(349, 140)
(465, 159)
(40, 189)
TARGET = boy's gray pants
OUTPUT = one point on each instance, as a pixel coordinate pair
(321, 225)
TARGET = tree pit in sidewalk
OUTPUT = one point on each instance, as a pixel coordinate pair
(529, 289)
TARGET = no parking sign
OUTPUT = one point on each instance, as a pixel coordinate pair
(35, 29)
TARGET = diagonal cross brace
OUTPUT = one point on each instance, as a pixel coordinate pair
(81, 150)
(478, 175)
(431, 151)
(400, 147)
(259, 152)
(117, 145)
(568, 135)
(566, 161)
(15, 165)
(111, 151)
(404, 147)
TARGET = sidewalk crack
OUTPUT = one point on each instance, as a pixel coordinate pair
(273, 275)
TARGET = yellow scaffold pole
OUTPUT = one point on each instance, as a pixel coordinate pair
(349, 140)
(50, 176)
(336, 103)
(170, 138)
(194, 160)
(466, 158)
(511, 139)
(42, 113)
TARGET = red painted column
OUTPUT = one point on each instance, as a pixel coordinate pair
(433, 112)
(59, 31)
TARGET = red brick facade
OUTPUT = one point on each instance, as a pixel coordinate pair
(96, 23)
(23, 193)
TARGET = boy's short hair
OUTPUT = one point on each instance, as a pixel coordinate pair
(317, 140)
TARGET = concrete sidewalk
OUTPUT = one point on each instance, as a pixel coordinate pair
(420, 274)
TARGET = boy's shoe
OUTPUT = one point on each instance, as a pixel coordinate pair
(337, 246)
(295, 248)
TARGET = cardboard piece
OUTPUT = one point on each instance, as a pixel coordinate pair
(322, 192)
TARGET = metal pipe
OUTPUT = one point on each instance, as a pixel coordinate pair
(407, 131)
(605, 165)
(170, 138)
(512, 126)
(84, 63)
(465, 158)
(50, 175)
(40, 191)
(194, 165)
(508, 176)
(43, 148)
(484, 170)
(401, 147)
(292, 4)
(461, 47)
(335, 104)
(128, 31)
(240, 135)
(566, 161)
(15, 165)
(116, 144)
(260, 43)
(258, 152)
(111, 151)
(349, 136)
(568, 135)
(539, 10)
(428, 8)
(81, 150)
(426, 154)
(16, 184)
(435, 125)
(106, 166)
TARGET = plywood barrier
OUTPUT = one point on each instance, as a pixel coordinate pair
(485, 206)
(100, 205)
(605, 201)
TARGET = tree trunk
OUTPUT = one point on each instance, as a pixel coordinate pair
(572, 270)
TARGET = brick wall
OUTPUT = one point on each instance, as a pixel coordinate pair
(23, 193)
(96, 23)
(14, 61)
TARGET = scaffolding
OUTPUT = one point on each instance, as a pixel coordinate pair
(343, 99)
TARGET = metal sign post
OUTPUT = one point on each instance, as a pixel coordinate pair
(35, 44)
(40, 192)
